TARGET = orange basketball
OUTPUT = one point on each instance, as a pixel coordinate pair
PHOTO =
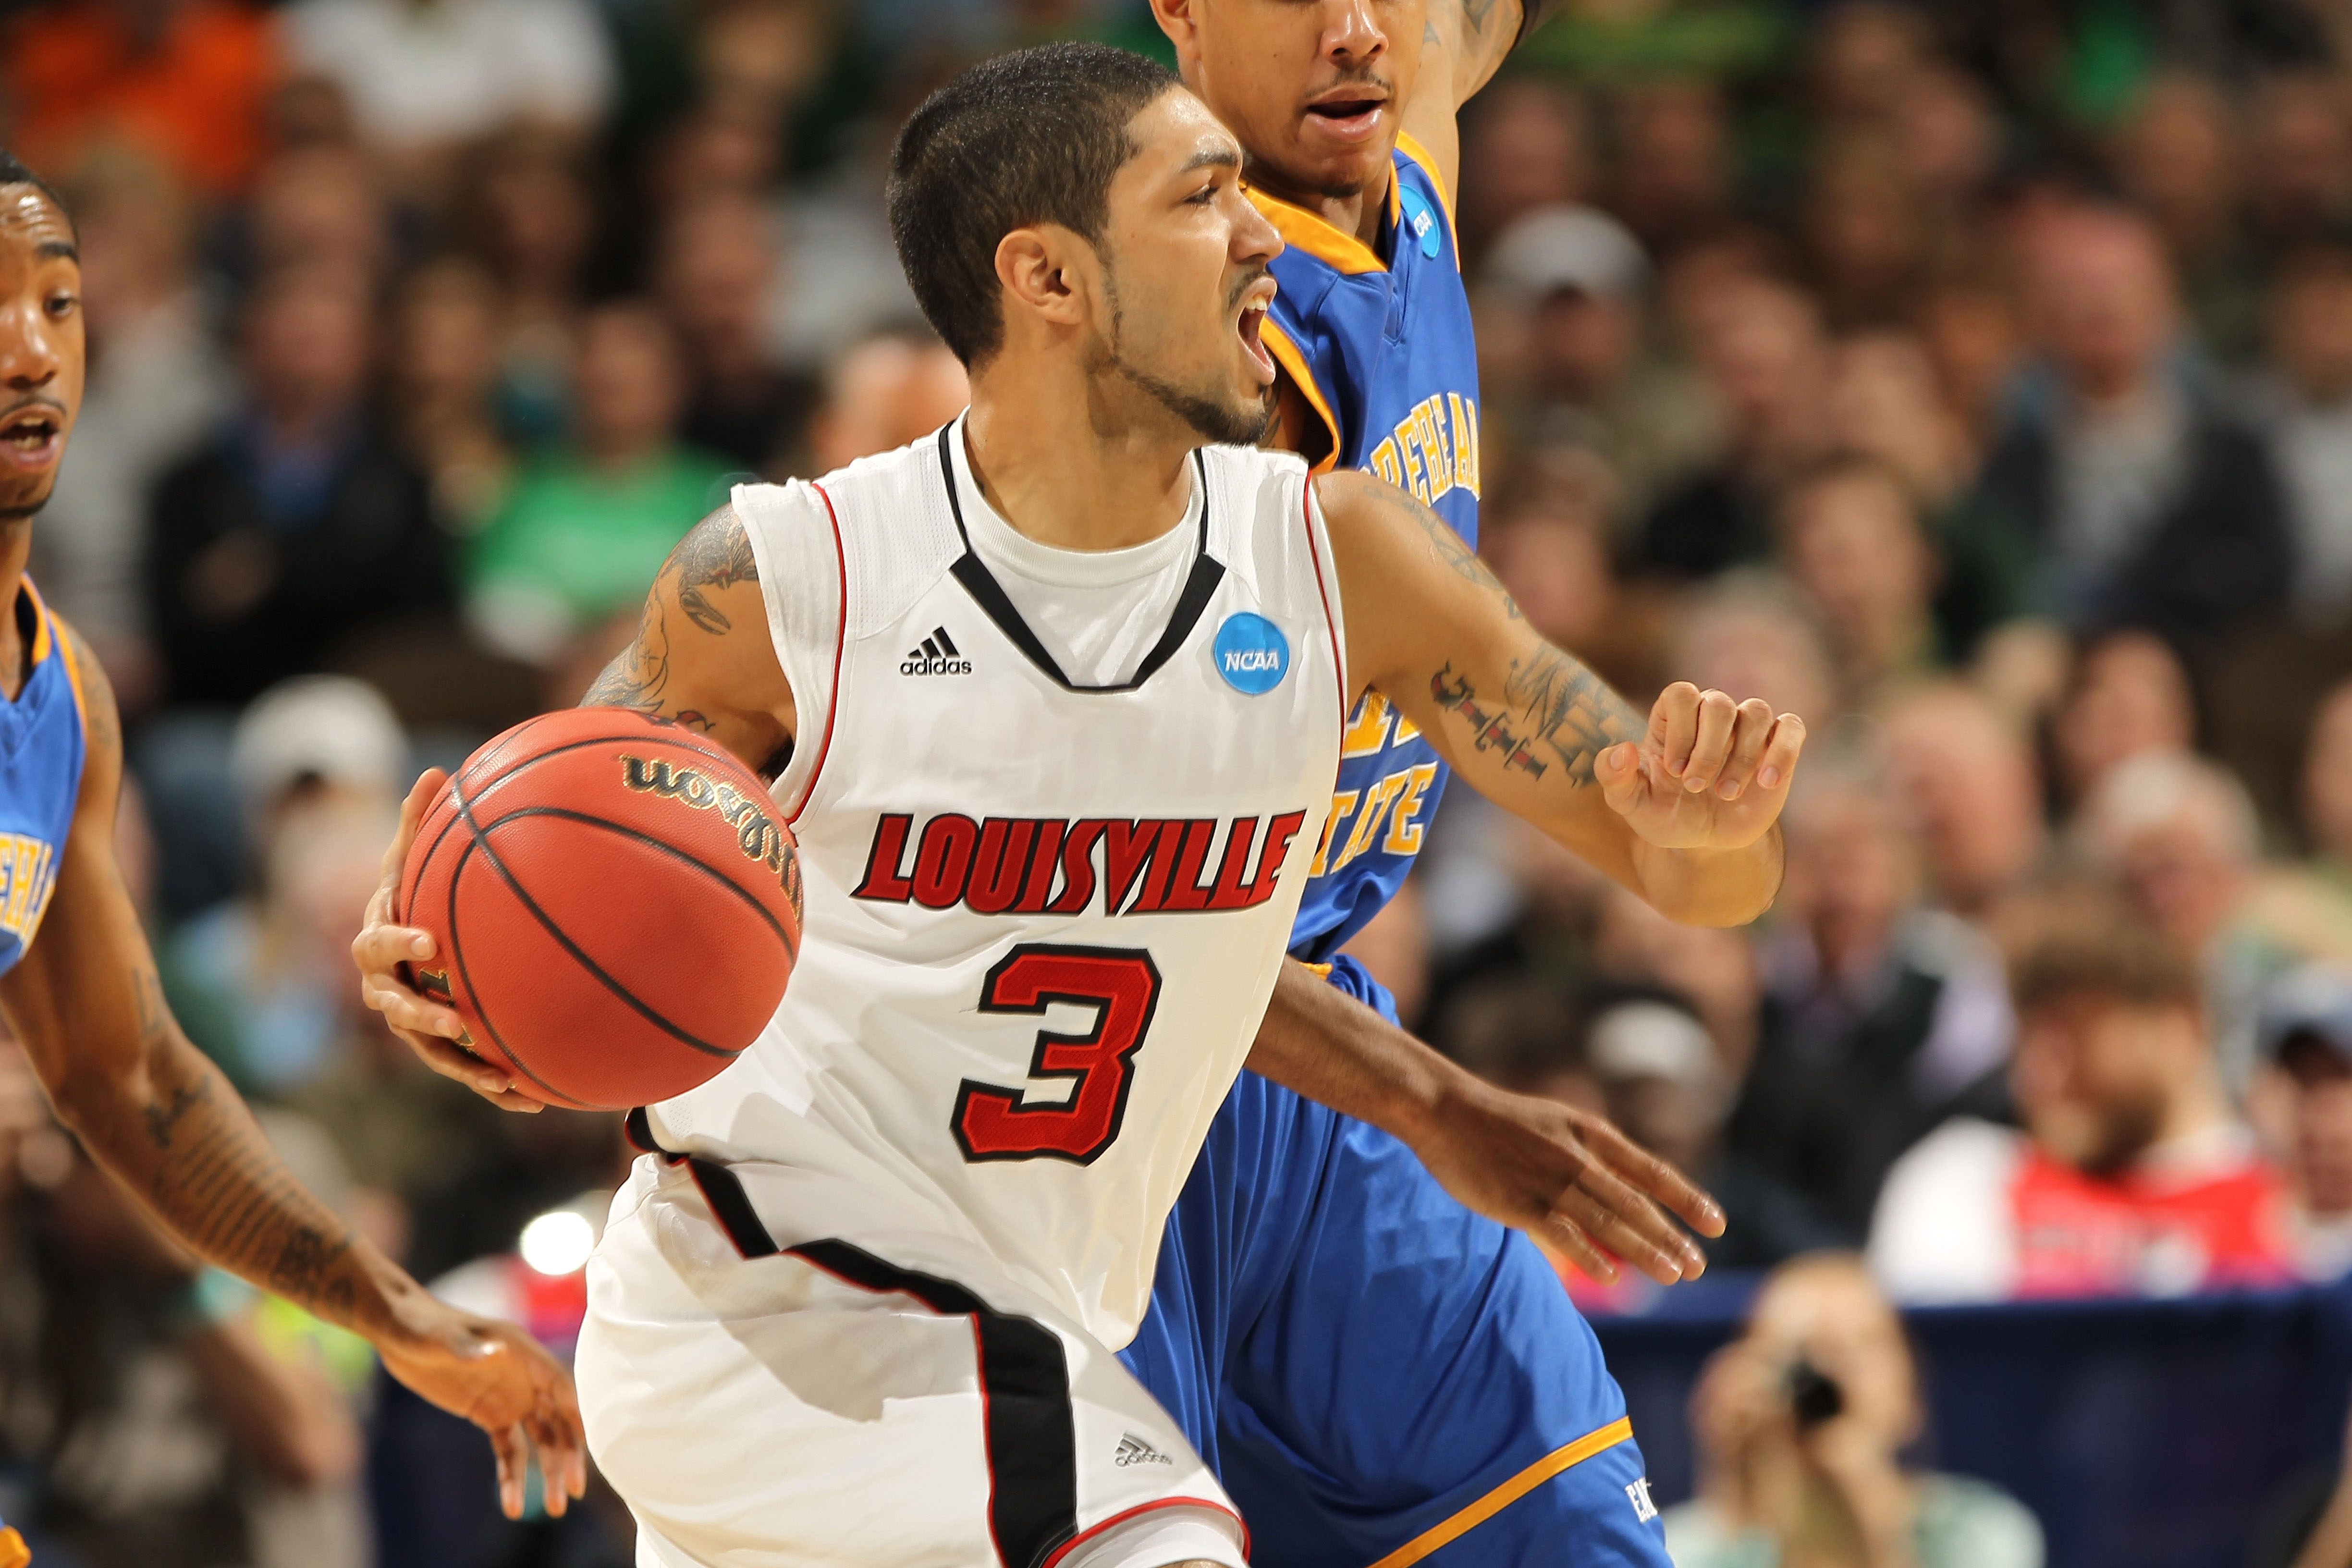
(615, 905)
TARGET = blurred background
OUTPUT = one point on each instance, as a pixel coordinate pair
(1973, 378)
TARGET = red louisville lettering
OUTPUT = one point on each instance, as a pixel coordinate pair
(1078, 866)
(1000, 864)
(1043, 862)
(1128, 849)
(1181, 889)
(1231, 892)
(1278, 834)
(943, 860)
(884, 882)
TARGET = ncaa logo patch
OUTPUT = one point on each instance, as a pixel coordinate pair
(1251, 654)
(1420, 219)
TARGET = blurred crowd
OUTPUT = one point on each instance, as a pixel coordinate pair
(1974, 380)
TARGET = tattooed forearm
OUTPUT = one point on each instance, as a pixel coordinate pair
(1553, 712)
(717, 555)
(1446, 546)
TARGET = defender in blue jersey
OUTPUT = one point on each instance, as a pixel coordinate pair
(1311, 1255)
(78, 984)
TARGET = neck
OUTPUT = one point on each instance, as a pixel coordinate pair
(1359, 213)
(15, 546)
(2198, 1108)
(1069, 460)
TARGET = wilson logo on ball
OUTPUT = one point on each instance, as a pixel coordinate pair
(755, 831)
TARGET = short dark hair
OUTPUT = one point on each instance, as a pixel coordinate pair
(1033, 136)
(13, 172)
(2080, 939)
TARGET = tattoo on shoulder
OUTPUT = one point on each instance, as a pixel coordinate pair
(1553, 712)
(717, 555)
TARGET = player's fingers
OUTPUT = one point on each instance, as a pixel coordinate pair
(405, 1009)
(1751, 729)
(412, 811)
(1711, 745)
(512, 1448)
(382, 947)
(1610, 1229)
(454, 1061)
(1567, 1236)
(1630, 1214)
(1655, 1177)
(1625, 783)
(1781, 754)
(1673, 724)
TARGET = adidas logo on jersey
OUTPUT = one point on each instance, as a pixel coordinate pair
(937, 656)
(1134, 1450)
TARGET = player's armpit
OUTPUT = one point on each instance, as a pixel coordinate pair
(1682, 808)
(703, 656)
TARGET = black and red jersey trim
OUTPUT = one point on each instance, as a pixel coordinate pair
(1027, 1422)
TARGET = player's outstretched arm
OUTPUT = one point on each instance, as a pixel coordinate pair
(1562, 1174)
(86, 1003)
(702, 657)
(1682, 809)
(1463, 44)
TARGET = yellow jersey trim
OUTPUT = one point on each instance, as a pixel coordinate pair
(1318, 238)
(41, 637)
(1509, 1492)
(1285, 354)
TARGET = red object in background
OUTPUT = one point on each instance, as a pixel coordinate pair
(2142, 1233)
(615, 901)
(194, 95)
(552, 1306)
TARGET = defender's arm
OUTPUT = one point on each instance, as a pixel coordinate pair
(1682, 810)
(702, 658)
(1463, 44)
(86, 1001)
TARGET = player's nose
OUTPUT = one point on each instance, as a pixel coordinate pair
(30, 354)
(1256, 241)
(1353, 32)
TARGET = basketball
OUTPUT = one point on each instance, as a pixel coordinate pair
(615, 905)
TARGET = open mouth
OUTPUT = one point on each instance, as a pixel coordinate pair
(30, 437)
(1349, 115)
(1251, 330)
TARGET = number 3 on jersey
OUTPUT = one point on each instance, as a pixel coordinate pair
(1122, 985)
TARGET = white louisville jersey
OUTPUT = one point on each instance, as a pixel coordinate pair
(1044, 915)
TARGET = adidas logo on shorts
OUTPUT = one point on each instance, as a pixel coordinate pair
(1134, 1450)
(937, 656)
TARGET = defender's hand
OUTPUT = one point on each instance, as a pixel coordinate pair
(431, 1030)
(1567, 1177)
(1711, 773)
(503, 1381)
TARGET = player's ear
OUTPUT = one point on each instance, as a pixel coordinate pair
(1177, 20)
(1035, 268)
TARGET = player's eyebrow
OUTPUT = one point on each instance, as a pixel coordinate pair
(57, 250)
(1213, 157)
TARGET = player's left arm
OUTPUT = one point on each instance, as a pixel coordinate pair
(1683, 808)
(1463, 44)
(86, 1001)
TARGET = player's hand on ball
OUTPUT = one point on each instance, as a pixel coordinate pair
(503, 1381)
(1711, 773)
(431, 1030)
(1570, 1179)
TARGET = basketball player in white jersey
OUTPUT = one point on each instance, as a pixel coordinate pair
(1053, 702)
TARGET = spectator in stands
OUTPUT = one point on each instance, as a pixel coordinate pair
(186, 81)
(1864, 229)
(323, 207)
(2178, 159)
(299, 528)
(1801, 1424)
(2308, 403)
(165, 1428)
(1663, 1083)
(2142, 502)
(444, 377)
(319, 763)
(157, 384)
(1751, 631)
(885, 390)
(2131, 1175)
(1762, 346)
(1675, 178)
(525, 209)
(1970, 787)
(1565, 302)
(1853, 545)
(2128, 697)
(1527, 144)
(1715, 971)
(584, 530)
(2307, 1040)
(2298, 165)
(714, 275)
(1971, 326)
(2308, 907)
(2180, 835)
(425, 79)
(1881, 1018)
(1548, 539)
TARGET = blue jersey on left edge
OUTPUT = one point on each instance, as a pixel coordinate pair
(1384, 352)
(42, 745)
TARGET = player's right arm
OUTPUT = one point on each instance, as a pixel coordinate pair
(148, 1105)
(702, 657)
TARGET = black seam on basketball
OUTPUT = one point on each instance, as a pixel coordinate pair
(514, 884)
(791, 944)
(466, 978)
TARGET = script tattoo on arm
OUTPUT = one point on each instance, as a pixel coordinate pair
(717, 555)
(1553, 712)
(1448, 546)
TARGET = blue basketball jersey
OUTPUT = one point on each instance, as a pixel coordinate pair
(1383, 351)
(41, 750)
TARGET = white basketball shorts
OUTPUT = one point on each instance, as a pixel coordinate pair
(813, 1406)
